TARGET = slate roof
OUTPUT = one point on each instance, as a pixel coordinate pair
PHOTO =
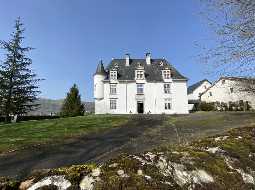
(196, 85)
(153, 72)
(100, 69)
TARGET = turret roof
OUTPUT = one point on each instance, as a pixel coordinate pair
(100, 69)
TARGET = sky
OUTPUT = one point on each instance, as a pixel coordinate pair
(71, 37)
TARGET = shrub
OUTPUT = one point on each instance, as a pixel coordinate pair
(203, 106)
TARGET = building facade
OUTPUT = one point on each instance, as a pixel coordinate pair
(195, 91)
(131, 86)
(231, 89)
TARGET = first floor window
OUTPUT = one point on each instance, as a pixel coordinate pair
(113, 89)
(113, 104)
(231, 90)
(168, 104)
(167, 88)
(139, 88)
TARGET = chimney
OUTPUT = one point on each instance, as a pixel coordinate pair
(148, 58)
(127, 59)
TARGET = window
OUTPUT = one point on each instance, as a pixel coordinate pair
(231, 90)
(166, 74)
(205, 86)
(113, 75)
(223, 82)
(113, 104)
(210, 93)
(139, 88)
(168, 104)
(113, 89)
(139, 74)
(167, 88)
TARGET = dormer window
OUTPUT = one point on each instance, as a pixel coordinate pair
(113, 75)
(166, 74)
(139, 74)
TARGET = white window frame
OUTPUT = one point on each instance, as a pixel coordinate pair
(168, 104)
(139, 74)
(113, 89)
(166, 74)
(113, 104)
(140, 88)
(167, 88)
(113, 75)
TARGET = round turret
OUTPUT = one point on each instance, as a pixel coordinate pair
(99, 76)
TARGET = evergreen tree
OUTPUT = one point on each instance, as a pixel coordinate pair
(18, 83)
(72, 104)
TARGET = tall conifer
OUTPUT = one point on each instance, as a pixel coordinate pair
(18, 83)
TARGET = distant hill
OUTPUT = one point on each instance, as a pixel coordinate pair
(52, 107)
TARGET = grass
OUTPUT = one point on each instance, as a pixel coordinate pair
(17, 135)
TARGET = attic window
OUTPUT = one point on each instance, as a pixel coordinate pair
(166, 74)
(113, 75)
(139, 74)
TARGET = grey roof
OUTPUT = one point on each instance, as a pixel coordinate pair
(100, 69)
(153, 72)
(196, 85)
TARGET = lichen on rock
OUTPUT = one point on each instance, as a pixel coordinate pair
(59, 181)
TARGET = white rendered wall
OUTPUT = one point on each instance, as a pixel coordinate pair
(153, 98)
(221, 93)
(195, 95)
(99, 86)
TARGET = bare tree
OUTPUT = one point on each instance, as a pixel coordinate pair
(233, 51)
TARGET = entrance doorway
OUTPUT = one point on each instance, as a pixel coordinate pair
(140, 107)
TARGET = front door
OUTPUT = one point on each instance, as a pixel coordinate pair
(140, 107)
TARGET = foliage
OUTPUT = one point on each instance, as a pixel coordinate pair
(203, 106)
(222, 106)
(72, 105)
(18, 84)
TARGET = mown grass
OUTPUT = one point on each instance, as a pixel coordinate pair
(17, 135)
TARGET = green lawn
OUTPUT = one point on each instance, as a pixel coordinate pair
(18, 135)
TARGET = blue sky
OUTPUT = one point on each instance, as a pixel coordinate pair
(71, 37)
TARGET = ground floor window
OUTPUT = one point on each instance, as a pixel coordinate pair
(113, 104)
(168, 104)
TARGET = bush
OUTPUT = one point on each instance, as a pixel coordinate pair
(203, 106)
(222, 106)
